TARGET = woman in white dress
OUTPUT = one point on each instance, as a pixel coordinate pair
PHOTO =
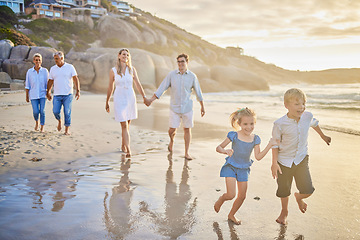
(122, 76)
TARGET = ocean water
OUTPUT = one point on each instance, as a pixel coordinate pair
(336, 106)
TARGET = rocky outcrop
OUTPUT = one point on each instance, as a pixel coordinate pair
(115, 28)
(5, 78)
(5, 49)
(47, 54)
(20, 52)
(16, 68)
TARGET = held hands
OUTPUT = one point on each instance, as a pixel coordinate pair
(147, 102)
(275, 168)
(48, 95)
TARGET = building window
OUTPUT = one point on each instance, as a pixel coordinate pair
(15, 5)
(49, 14)
(9, 4)
(57, 14)
(45, 7)
(41, 12)
(2, 3)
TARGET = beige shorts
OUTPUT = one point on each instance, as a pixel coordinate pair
(176, 118)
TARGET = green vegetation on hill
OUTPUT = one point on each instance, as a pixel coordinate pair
(7, 17)
(16, 37)
(68, 34)
(8, 20)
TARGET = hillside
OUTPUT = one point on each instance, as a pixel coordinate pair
(154, 43)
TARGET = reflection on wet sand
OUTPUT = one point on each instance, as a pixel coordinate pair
(117, 213)
(61, 182)
(282, 234)
(233, 233)
(179, 216)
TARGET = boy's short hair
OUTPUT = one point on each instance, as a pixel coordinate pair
(294, 94)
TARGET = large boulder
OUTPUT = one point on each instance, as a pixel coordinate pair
(5, 78)
(20, 52)
(5, 48)
(46, 53)
(16, 68)
(85, 71)
(145, 67)
(102, 66)
(114, 28)
(238, 79)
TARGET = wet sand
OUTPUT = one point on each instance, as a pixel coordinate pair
(83, 188)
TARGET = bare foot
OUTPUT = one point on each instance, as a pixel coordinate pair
(301, 203)
(128, 155)
(67, 133)
(282, 218)
(36, 126)
(42, 128)
(234, 220)
(188, 157)
(218, 205)
(59, 125)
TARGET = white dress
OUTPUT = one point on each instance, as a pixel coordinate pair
(124, 97)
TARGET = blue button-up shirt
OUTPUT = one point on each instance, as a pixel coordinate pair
(37, 82)
(181, 86)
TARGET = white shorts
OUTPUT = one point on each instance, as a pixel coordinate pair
(176, 118)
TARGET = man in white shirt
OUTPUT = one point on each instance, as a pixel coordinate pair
(63, 76)
(290, 158)
(181, 82)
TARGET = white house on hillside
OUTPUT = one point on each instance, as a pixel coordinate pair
(16, 5)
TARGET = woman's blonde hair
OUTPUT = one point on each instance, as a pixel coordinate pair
(235, 117)
(118, 64)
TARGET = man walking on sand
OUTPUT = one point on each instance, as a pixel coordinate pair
(181, 82)
(63, 76)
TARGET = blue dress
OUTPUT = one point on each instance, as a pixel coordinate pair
(241, 156)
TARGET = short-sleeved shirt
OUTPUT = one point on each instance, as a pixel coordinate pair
(242, 150)
(293, 136)
(181, 86)
(36, 82)
(62, 76)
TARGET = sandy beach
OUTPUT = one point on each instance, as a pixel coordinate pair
(54, 186)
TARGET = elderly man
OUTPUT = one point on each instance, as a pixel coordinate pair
(63, 76)
(181, 82)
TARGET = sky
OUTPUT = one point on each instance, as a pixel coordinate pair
(292, 34)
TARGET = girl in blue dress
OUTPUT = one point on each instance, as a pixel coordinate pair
(237, 166)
